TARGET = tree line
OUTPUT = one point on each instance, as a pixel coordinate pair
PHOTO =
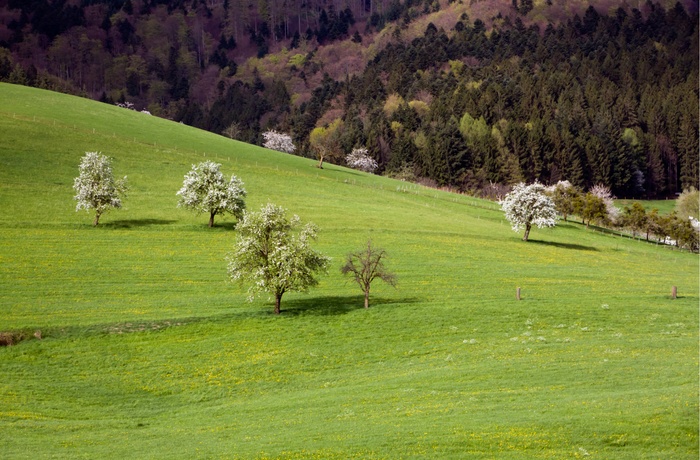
(606, 100)
(599, 99)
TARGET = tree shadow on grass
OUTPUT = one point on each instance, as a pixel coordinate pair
(130, 223)
(336, 305)
(225, 225)
(577, 247)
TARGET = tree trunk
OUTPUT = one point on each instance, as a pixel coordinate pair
(211, 219)
(527, 232)
(367, 298)
(278, 301)
(96, 221)
(320, 163)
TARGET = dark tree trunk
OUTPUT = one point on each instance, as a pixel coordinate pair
(278, 301)
(527, 232)
(96, 221)
(211, 219)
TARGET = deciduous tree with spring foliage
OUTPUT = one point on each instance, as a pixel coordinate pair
(96, 187)
(278, 141)
(528, 205)
(205, 190)
(325, 141)
(274, 255)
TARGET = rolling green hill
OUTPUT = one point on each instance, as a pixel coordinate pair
(147, 350)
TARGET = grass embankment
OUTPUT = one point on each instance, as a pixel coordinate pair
(148, 351)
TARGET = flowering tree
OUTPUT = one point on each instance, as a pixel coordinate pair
(603, 192)
(688, 204)
(360, 159)
(528, 205)
(278, 141)
(367, 265)
(96, 187)
(273, 256)
(205, 190)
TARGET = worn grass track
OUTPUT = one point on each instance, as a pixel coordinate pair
(147, 351)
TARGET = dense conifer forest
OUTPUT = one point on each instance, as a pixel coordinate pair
(606, 97)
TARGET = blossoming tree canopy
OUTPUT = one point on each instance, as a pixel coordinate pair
(205, 190)
(274, 255)
(528, 205)
(278, 141)
(360, 159)
(96, 187)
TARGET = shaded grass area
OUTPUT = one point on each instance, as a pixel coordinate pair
(147, 348)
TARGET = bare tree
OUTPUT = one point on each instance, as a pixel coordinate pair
(367, 265)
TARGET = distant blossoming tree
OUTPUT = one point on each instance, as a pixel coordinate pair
(360, 159)
(96, 187)
(205, 190)
(367, 265)
(274, 255)
(603, 192)
(278, 141)
(688, 204)
(528, 205)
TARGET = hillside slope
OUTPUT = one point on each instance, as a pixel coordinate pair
(595, 92)
(146, 350)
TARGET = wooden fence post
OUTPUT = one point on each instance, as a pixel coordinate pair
(517, 294)
(674, 292)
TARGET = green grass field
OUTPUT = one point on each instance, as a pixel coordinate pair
(148, 351)
(663, 206)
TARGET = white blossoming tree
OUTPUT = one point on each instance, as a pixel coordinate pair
(604, 193)
(205, 190)
(278, 141)
(96, 187)
(273, 254)
(360, 159)
(528, 205)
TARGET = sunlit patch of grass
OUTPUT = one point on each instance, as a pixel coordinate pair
(147, 348)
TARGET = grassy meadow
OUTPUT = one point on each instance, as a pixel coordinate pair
(148, 352)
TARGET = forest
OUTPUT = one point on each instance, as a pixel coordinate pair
(606, 97)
